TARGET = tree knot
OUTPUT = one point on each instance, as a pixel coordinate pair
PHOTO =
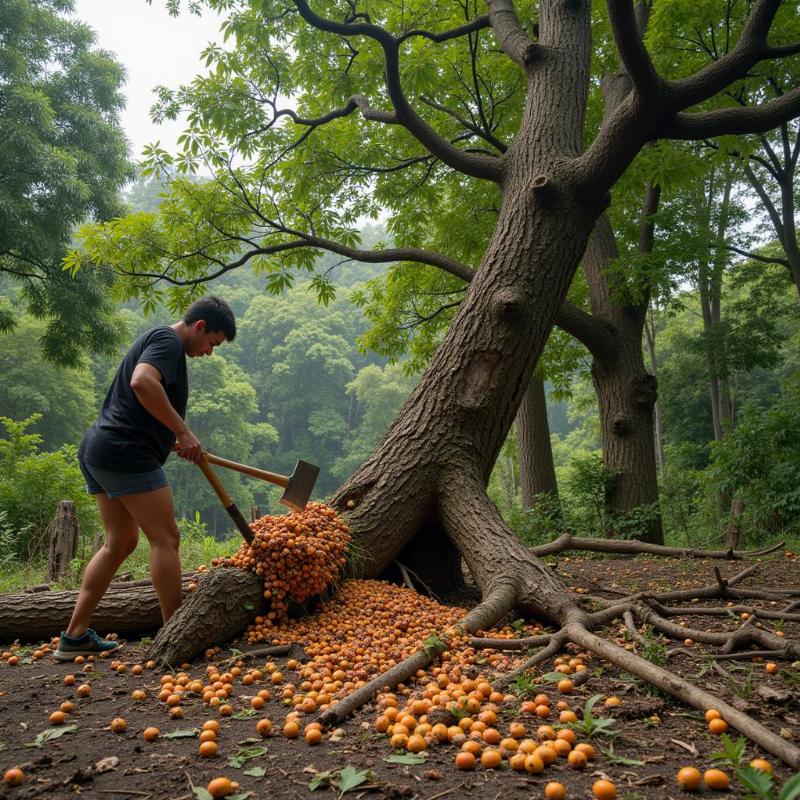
(645, 391)
(508, 305)
(479, 377)
(621, 425)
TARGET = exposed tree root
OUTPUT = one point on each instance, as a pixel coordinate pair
(635, 547)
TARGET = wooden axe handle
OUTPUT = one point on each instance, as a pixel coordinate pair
(280, 480)
(226, 500)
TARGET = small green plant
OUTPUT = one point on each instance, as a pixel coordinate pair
(732, 753)
(590, 725)
(761, 785)
(518, 626)
(525, 685)
(653, 648)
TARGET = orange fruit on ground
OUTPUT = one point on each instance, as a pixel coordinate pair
(771, 668)
(67, 706)
(555, 791)
(761, 765)
(517, 762)
(577, 759)
(565, 717)
(516, 730)
(151, 733)
(211, 725)
(716, 779)
(465, 760)
(471, 746)
(58, 718)
(313, 736)
(225, 710)
(612, 701)
(604, 790)
(491, 736)
(291, 730)
(69, 680)
(220, 787)
(208, 736)
(264, 727)
(208, 749)
(717, 726)
(491, 758)
(416, 744)
(565, 686)
(689, 779)
(712, 713)
(534, 764)
(587, 749)
(545, 732)
(13, 777)
(118, 725)
(568, 735)
(84, 690)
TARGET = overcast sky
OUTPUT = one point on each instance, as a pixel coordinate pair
(155, 49)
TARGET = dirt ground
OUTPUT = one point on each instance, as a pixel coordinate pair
(655, 735)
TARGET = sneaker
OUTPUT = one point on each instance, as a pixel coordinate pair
(89, 642)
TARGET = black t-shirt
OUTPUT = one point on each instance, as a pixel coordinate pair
(126, 437)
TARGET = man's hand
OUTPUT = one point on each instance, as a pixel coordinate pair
(188, 446)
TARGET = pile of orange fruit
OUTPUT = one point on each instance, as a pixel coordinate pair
(297, 554)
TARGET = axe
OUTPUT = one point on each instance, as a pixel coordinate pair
(298, 486)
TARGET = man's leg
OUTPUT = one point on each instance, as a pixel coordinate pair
(155, 515)
(122, 533)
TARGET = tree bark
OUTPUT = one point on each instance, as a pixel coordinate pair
(537, 473)
(221, 607)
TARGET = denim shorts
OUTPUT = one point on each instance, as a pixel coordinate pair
(116, 484)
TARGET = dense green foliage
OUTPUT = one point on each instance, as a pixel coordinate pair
(63, 161)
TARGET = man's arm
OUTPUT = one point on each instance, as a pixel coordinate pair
(146, 384)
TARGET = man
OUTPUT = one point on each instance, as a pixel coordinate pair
(122, 454)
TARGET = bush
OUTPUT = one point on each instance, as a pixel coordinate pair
(31, 485)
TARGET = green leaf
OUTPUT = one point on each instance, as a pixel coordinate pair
(201, 793)
(321, 779)
(406, 758)
(245, 754)
(245, 713)
(255, 772)
(756, 781)
(49, 734)
(181, 733)
(553, 677)
(248, 606)
(791, 789)
(239, 795)
(351, 778)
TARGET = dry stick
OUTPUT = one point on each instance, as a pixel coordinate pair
(725, 656)
(407, 570)
(685, 691)
(630, 624)
(406, 577)
(633, 547)
(556, 643)
(275, 650)
(510, 644)
(720, 611)
(744, 635)
(487, 613)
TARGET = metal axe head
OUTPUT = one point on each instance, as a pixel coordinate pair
(301, 484)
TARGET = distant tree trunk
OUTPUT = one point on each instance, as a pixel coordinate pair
(650, 337)
(537, 473)
(63, 541)
(710, 291)
(626, 392)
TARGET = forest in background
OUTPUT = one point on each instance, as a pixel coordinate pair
(329, 348)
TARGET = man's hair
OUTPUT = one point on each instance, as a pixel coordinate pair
(216, 313)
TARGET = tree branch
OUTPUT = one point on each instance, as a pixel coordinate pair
(462, 30)
(632, 52)
(477, 166)
(594, 334)
(724, 121)
(749, 50)
(511, 36)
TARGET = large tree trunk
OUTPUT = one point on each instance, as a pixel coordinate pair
(537, 473)
(626, 395)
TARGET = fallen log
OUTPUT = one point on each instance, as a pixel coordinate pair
(127, 608)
